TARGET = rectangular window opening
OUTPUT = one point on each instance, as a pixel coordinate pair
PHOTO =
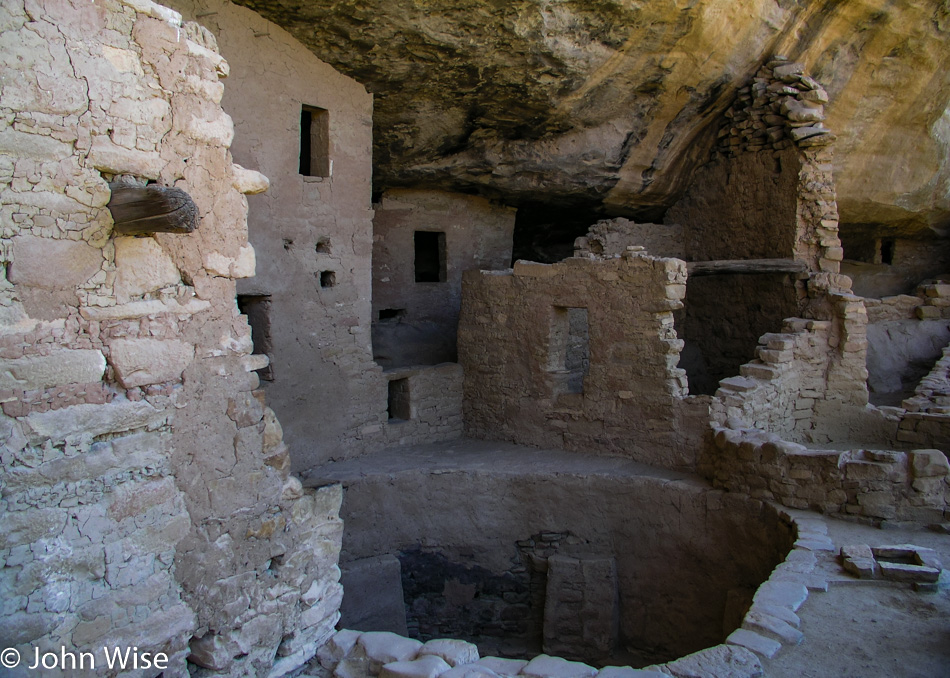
(569, 359)
(399, 406)
(327, 279)
(314, 142)
(257, 309)
(429, 256)
(888, 245)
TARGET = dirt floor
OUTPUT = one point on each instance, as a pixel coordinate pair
(871, 630)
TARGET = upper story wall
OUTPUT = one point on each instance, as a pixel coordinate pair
(580, 355)
(417, 279)
(310, 302)
(146, 495)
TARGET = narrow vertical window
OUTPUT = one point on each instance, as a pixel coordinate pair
(430, 256)
(314, 142)
(569, 358)
(888, 245)
(399, 406)
(257, 309)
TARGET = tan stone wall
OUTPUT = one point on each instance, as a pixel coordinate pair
(146, 493)
(328, 393)
(610, 237)
(511, 344)
(477, 236)
(871, 484)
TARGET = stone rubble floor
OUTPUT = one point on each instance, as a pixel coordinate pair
(855, 629)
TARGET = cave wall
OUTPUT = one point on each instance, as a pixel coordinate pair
(476, 235)
(527, 380)
(146, 492)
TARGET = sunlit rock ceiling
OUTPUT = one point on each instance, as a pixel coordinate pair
(612, 103)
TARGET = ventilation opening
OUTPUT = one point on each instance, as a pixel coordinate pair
(391, 313)
(323, 246)
(399, 406)
(888, 245)
(570, 349)
(257, 309)
(327, 279)
(314, 142)
(430, 256)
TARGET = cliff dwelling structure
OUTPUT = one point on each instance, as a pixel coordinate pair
(471, 339)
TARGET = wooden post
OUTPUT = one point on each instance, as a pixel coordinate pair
(141, 210)
(696, 268)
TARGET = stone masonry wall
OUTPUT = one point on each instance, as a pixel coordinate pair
(431, 405)
(477, 236)
(313, 234)
(145, 490)
(808, 382)
(612, 236)
(768, 191)
(515, 346)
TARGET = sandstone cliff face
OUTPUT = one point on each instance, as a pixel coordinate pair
(616, 101)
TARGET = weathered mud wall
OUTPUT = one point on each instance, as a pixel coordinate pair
(312, 234)
(580, 354)
(478, 548)
(416, 321)
(146, 492)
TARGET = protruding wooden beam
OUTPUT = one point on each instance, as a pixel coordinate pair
(140, 210)
(696, 268)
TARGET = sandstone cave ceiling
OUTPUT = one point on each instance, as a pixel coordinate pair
(613, 103)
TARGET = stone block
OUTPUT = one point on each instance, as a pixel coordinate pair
(628, 672)
(762, 646)
(783, 594)
(247, 181)
(52, 264)
(720, 661)
(908, 573)
(773, 627)
(929, 464)
(503, 667)
(142, 267)
(470, 671)
(454, 652)
(139, 362)
(107, 156)
(383, 647)
(544, 666)
(429, 666)
(59, 368)
(95, 420)
(373, 598)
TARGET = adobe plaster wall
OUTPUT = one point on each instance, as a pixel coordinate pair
(477, 236)
(512, 349)
(146, 492)
(328, 393)
(492, 534)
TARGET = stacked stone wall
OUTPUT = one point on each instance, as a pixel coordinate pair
(477, 235)
(146, 492)
(513, 344)
(610, 237)
(434, 405)
(768, 190)
(871, 484)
